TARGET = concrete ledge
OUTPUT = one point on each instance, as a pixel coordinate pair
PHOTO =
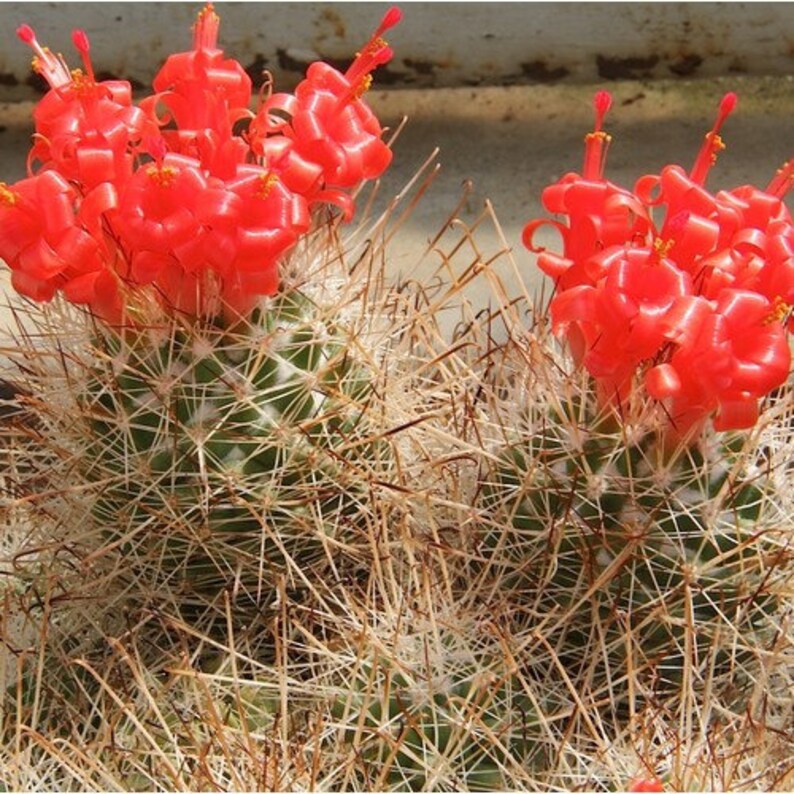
(437, 44)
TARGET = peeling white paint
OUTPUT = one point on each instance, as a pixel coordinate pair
(436, 44)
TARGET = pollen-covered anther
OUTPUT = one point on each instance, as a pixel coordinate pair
(717, 145)
(81, 82)
(779, 311)
(598, 135)
(662, 247)
(266, 183)
(374, 46)
(363, 86)
(163, 176)
(7, 196)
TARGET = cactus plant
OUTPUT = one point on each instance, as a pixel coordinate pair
(216, 412)
(218, 449)
(644, 514)
(651, 567)
(435, 707)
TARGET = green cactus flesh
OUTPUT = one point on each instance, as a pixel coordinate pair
(463, 726)
(646, 564)
(221, 458)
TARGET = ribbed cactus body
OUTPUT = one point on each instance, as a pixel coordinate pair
(461, 723)
(647, 563)
(225, 457)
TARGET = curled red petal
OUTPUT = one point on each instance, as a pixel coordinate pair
(528, 233)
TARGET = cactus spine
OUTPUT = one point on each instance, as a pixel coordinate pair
(653, 566)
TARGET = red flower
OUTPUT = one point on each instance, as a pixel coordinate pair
(600, 215)
(129, 207)
(733, 352)
(759, 254)
(332, 140)
(42, 240)
(205, 95)
(84, 129)
(625, 318)
(695, 306)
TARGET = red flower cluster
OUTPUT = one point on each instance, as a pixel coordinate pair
(696, 305)
(167, 198)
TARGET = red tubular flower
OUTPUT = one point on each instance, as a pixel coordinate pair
(333, 139)
(84, 129)
(703, 299)
(600, 215)
(205, 94)
(42, 241)
(737, 353)
(157, 214)
(270, 220)
(625, 319)
(759, 254)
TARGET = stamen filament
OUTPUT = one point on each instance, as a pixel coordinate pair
(597, 141)
(782, 180)
(713, 143)
(51, 67)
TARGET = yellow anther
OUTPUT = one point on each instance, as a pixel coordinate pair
(600, 135)
(7, 196)
(81, 83)
(377, 44)
(662, 247)
(163, 176)
(206, 11)
(266, 182)
(374, 46)
(363, 86)
(779, 311)
(716, 144)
